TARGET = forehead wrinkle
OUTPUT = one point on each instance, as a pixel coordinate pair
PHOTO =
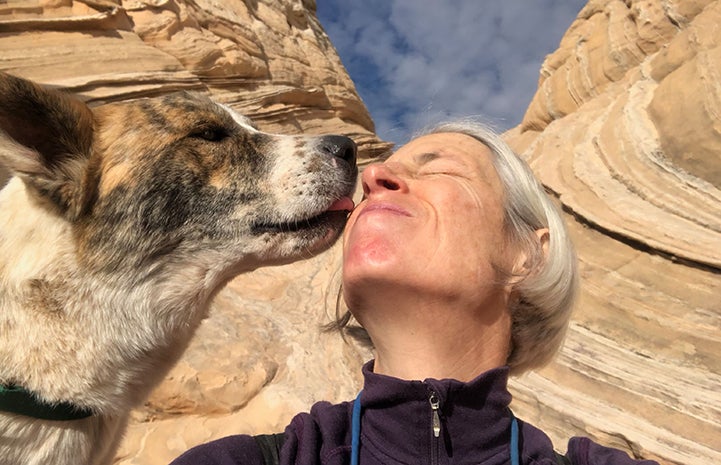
(444, 154)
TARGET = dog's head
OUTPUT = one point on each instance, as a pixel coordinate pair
(179, 177)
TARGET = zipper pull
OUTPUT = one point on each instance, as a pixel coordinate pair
(435, 404)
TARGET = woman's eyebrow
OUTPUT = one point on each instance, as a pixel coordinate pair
(426, 157)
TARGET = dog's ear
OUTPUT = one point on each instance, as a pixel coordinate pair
(46, 139)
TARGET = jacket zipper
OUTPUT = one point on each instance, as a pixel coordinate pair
(436, 419)
(435, 426)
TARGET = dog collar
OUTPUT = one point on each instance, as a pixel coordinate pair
(14, 399)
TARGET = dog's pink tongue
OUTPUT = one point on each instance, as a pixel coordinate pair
(344, 203)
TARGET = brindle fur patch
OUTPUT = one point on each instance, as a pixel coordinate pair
(178, 167)
(42, 296)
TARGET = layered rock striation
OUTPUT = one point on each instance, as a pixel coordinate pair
(623, 131)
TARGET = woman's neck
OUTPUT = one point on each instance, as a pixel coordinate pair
(440, 342)
(414, 364)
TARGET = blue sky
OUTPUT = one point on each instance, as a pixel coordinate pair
(419, 61)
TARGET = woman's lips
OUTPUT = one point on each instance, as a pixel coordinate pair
(382, 207)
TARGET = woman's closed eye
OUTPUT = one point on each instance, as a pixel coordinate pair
(441, 167)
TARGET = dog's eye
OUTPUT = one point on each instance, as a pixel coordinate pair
(210, 134)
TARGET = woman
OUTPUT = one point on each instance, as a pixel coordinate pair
(459, 268)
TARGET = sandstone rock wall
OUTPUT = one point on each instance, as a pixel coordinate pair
(624, 131)
(270, 60)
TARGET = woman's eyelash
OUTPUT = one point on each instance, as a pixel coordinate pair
(437, 170)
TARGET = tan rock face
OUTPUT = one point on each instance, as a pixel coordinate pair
(624, 130)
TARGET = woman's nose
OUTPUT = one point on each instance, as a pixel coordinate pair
(379, 177)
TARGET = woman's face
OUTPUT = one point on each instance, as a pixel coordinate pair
(431, 221)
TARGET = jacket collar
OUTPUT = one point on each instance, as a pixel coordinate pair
(475, 419)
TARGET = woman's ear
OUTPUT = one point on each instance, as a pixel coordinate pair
(544, 238)
(526, 264)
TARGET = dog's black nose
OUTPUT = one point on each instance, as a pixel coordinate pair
(341, 147)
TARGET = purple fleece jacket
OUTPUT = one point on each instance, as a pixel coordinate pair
(397, 428)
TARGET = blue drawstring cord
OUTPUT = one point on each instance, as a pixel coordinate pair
(514, 440)
(355, 425)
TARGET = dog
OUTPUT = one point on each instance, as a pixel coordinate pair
(118, 227)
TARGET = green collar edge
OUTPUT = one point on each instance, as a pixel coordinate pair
(17, 400)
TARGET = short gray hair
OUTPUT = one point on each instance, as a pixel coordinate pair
(545, 294)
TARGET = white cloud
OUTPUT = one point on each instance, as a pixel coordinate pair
(416, 61)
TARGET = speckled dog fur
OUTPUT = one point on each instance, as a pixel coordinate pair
(120, 225)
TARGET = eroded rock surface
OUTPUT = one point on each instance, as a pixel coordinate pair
(624, 130)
